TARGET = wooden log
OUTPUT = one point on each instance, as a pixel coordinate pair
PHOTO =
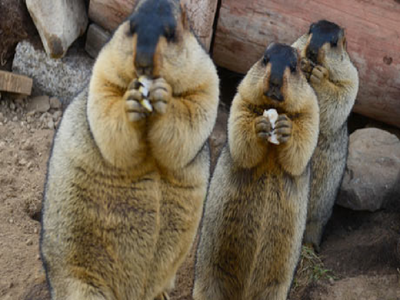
(13, 83)
(95, 39)
(373, 34)
(110, 13)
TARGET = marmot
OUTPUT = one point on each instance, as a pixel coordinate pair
(335, 82)
(255, 213)
(125, 186)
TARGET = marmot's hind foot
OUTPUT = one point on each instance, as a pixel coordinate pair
(162, 296)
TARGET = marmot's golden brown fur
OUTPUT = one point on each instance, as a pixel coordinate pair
(125, 187)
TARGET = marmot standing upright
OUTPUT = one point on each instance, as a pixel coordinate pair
(256, 209)
(335, 81)
(126, 180)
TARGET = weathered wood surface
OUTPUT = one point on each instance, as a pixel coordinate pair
(13, 83)
(373, 34)
(110, 13)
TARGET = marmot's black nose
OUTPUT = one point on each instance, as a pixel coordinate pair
(275, 81)
(144, 62)
(275, 85)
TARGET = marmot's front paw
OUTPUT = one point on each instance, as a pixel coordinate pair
(319, 73)
(160, 95)
(135, 111)
(262, 128)
(307, 66)
(283, 129)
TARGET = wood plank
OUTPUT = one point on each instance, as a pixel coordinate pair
(373, 34)
(13, 83)
(110, 13)
(95, 39)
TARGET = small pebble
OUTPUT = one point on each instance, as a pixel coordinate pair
(22, 162)
(35, 230)
(15, 119)
(50, 124)
(55, 103)
(12, 106)
(57, 115)
(29, 242)
(11, 221)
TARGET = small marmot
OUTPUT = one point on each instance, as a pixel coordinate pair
(335, 81)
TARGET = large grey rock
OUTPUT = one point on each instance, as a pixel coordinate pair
(61, 78)
(59, 23)
(372, 176)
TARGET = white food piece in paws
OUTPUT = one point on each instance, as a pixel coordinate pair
(145, 83)
(272, 116)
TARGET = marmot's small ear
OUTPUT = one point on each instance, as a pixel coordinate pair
(271, 45)
(311, 27)
(344, 43)
(298, 54)
(184, 17)
(341, 33)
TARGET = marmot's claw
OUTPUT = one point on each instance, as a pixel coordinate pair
(262, 128)
(319, 73)
(283, 129)
(160, 95)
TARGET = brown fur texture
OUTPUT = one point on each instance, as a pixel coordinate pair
(256, 208)
(335, 82)
(125, 189)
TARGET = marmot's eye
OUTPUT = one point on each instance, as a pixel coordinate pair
(169, 35)
(293, 68)
(265, 60)
(334, 43)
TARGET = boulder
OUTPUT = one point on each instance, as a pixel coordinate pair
(372, 176)
(62, 78)
(15, 26)
(59, 23)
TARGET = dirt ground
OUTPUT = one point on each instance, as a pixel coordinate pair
(359, 251)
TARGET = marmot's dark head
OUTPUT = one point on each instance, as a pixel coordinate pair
(281, 62)
(155, 26)
(276, 80)
(326, 41)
